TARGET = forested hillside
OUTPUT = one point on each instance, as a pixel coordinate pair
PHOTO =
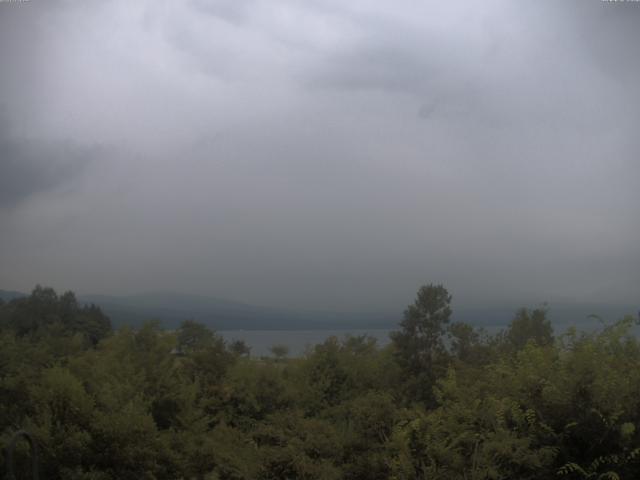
(443, 401)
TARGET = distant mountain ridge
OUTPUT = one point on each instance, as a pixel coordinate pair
(172, 308)
(8, 295)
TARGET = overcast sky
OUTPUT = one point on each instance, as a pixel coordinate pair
(322, 154)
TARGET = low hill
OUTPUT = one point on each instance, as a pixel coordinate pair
(172, 308)
(7, 295)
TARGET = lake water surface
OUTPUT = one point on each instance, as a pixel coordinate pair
(261, 341)
(298, 341)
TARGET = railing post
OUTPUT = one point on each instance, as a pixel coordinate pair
(34, 454)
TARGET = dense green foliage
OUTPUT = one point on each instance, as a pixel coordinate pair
(442, 401)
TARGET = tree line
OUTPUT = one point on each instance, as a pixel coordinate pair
(444, 400)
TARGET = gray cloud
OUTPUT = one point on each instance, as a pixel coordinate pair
(29, 167)
(323, 154)
(236, 12)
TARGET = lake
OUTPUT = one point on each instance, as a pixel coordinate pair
(261, 341)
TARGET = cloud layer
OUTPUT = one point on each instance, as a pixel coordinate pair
(322, 154)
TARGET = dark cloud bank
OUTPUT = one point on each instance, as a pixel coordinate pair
(29, 167)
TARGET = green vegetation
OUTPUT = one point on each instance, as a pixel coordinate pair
(442, 401)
